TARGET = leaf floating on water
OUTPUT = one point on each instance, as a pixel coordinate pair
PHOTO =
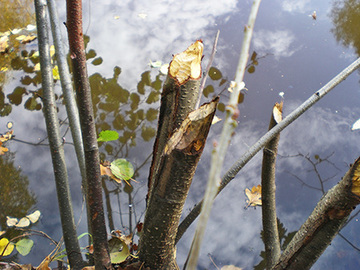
(5, 245)
(119, 251)
(230, 267)
(23, 223)
(3, 149)
(9, 125)
(55, 73)
(254, 196)
(34, 217)
(142, 15)
(7, 136)
(164, 69)
(122, 169)
(25, 39)
(24, 246)
(356, 125)
(11, 222)
(155, 64)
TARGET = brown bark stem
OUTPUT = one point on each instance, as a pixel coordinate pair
(178, 146)
(87, 120)
(269, 219)
(171, 185)
(324, 223)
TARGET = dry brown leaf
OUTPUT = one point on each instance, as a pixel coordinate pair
(254, 196)
(7, 136)
(3, 150)
(44, 265)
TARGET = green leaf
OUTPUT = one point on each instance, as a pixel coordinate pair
(119, 251)
(122, 169)
(108, 135)
(24, 246)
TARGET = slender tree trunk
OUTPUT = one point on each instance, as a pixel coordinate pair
(268, 188)
(55, 141)
(87, 120)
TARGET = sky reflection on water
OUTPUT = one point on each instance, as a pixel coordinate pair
(299, 55)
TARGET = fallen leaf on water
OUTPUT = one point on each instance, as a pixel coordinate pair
(34, 217)
(3, 149)
(356, 125)
(7, 136)
(254, 196)
(5, 247)
(11, 222)
(230, 267)
(23, 223)
(25, 39)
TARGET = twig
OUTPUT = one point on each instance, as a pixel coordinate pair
(212, 56)
(218, 154)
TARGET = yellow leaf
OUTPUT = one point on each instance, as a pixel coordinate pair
(7, 136)
(55, 72)
(254, 196)
(25, 39)
(37, 67)
(5, 245)
(3, 150)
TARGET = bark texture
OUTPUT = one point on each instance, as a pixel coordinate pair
(92, 161)
(180, 140)
(268, 188)
(316, 234)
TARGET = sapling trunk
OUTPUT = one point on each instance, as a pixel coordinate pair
(87, 120)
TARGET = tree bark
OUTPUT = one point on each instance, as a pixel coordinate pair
(324, 223)
(178, 146)
(171, 185)
(55, 141)
(268, 188)
(91, 150)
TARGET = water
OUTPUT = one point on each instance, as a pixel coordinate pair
(295, 54)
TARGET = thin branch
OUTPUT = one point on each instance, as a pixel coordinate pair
(218, 153)
(212, 56)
